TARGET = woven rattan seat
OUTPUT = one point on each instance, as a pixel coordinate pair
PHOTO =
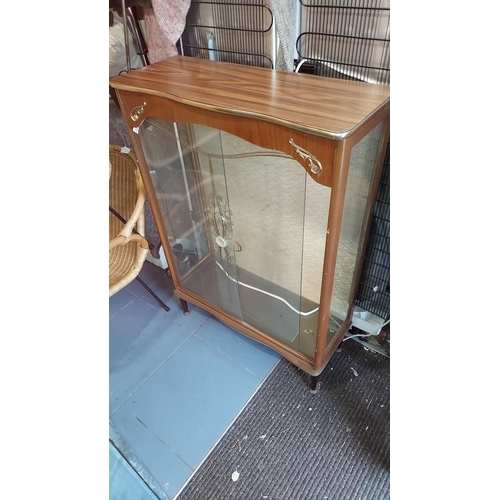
(127, 246)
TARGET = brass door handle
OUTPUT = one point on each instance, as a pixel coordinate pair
(137, 112)
(314, 163)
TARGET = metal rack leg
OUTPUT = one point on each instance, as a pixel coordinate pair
(153, 294)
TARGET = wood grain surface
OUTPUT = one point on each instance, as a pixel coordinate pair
(322, 106)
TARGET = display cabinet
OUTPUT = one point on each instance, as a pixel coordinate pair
(262, 184)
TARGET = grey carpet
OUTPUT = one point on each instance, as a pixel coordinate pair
(289, 444)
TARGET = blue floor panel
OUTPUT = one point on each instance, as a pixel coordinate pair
(176, 382)
(124, 482)
(119, 301)
(247, 353)
(135, 356)
(162, 464)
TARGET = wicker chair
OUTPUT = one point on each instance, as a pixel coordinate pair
(127, 246)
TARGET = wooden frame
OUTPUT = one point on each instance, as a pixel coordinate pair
(275, 110)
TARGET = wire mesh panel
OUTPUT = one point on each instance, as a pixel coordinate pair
(346, 39)
(237, 31)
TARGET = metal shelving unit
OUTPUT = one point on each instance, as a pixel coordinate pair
(237, 32)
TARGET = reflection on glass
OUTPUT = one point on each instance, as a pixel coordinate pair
(361, 171)
(239, 219)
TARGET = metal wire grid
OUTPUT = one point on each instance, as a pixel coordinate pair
(348, 39)
(237, 31)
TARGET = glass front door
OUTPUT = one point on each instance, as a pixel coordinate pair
(247, 226)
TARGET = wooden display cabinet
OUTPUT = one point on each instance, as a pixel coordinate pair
(261, 184)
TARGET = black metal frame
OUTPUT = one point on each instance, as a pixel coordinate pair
(234, 43)
(345, 40)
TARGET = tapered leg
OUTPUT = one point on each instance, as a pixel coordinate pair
(313, 386)
(184, 305)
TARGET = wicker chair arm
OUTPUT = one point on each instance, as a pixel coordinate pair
(138, 209)
(122, 240)
(125, 265)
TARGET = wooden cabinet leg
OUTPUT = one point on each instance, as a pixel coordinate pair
(313, 386)
(185, 308)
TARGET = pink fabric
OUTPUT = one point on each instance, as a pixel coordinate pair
(165, 23)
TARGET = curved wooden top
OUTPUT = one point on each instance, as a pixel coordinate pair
(322, 106)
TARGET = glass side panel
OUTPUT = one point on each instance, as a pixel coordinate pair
(240, 219)
(362, 165)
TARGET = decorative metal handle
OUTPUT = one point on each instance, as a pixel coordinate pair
(137, 111)
(314, 163)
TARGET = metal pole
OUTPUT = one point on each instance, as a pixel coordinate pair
(125, 32)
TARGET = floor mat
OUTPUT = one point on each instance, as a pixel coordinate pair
(290, 444)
